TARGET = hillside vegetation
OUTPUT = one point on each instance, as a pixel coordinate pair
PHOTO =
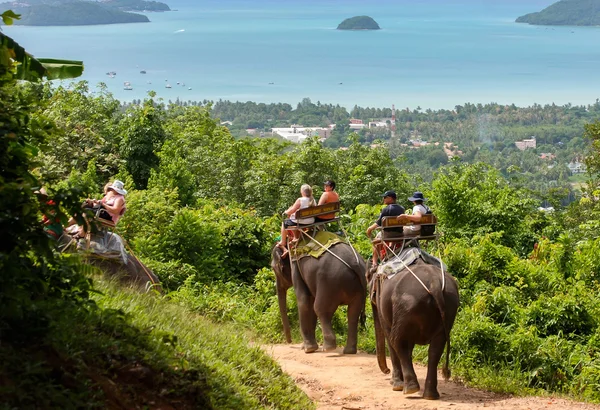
(566, 13)
(78, 12)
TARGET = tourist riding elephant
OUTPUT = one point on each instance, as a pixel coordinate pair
(415, 306)
(321, 285)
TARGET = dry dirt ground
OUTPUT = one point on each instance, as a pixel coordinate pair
(351, 382)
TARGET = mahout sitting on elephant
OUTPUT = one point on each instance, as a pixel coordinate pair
(413, 304)
(322, 283)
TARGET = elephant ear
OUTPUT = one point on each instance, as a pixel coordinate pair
(276, 261)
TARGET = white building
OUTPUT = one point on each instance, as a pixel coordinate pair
(526, 143)
(577, 167)
(297, 133)
(378, 124)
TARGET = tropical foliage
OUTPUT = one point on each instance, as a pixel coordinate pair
(203, 212)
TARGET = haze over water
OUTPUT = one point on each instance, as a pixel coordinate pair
(429, 53)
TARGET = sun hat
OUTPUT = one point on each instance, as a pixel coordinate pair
(118, 187)
(391, 194)
(41, 192)
(417, 196)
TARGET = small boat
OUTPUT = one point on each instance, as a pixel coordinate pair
(143, 72)
(126, 83)
(128, 87)
(177, 82)
(149, 82)
(189, 88)
(168, 86)
(111, 73)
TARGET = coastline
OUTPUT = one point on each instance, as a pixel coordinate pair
(435, 62)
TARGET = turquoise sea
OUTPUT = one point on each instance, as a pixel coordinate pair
(429, 53)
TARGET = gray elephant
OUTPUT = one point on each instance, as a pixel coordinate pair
(411, 308)
(321, 285)
(113, 260)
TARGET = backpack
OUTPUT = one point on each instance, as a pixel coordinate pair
(427, 230)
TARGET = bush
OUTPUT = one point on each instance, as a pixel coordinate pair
(477, 340)
(560, 315)
(502, 305)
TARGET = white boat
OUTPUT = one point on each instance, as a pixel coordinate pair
(126, 83)
(128, 87)
(190, 88)
(168, 86)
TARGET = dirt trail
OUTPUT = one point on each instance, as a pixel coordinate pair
(351, 382)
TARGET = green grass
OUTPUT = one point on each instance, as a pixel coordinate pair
(140, 350)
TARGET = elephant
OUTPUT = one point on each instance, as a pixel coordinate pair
(321, 285)
(134, 272)
(128, 269)
(412, 308)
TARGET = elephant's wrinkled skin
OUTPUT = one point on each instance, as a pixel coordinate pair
(406, 314)
(321, 285)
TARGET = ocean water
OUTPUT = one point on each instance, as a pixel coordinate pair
(429, 53)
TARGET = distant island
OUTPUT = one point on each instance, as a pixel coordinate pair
(359, 23)
(566, 13)
(82, 13)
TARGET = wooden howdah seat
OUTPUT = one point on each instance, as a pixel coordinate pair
(428, 226)
(316, 211)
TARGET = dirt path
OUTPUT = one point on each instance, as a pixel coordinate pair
(352, 382)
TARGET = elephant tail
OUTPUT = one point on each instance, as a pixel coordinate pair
(438, 296)
(362, 319)
(446, 368)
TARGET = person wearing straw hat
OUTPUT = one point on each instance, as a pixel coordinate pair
(114, 200)
(417, 212)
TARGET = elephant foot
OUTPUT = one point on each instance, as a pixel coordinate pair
(350, 350)
(329, 347)
(397, 386)
(310, 347)
(431, 395)
(412, 388)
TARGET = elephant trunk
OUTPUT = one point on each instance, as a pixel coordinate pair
(379, 341)
(282, 299)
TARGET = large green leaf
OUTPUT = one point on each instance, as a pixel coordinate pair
(8, 16)
(61, 69)
(31, 69)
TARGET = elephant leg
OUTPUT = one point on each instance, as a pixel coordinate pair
(436, 348)
(397, 377)
(411, 383)
(325, 314)
(354, 310)
(307, 315)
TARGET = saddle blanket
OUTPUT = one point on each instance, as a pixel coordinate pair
(315, 247)
(406, 258)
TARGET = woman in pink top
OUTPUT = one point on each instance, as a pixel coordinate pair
(114, 201)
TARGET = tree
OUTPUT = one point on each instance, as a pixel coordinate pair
(143, 135)
(476, 199)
